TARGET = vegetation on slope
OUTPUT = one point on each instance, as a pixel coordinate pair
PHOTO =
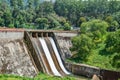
(41, 76)
(97, 45)
(98, 20)
(62, 14)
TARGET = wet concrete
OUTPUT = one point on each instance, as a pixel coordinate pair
(14, 58)
(64, 41)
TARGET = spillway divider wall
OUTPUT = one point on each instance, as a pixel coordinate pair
(32, 52)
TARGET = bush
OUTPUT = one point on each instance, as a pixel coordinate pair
(67, 26)
(116, 60)
(11, 25)
(109, 19)
(113, 42)
(94, 25)
(83, 45)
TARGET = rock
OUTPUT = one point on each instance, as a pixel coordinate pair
(95, 77)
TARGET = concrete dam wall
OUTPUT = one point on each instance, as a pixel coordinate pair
(14, 58)
(18, 55)
(47, 52)
(26, 53)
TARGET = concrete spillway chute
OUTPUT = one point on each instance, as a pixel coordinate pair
(48, 53)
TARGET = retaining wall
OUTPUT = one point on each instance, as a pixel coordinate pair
(89, 71)
(82, 69)
(11, 34)
(14, 57)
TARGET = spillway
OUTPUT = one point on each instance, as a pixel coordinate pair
(58, 56)
(49, 56)
(40, 55)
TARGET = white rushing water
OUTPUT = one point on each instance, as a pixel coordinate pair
(39, 54)
(49, 58)
(57, 55)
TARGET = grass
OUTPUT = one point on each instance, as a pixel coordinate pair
(100, 58)
(40, 76)
(101, 61)
(13, 77)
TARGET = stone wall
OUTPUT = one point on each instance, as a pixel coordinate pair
(64, 40)
(82, 69)
(14, 57)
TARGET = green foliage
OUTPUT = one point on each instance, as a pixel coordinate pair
(45, 8)
(109, 19)
(94, 25)
(116, 60)
(11, 25)
(112, 42)
(13, 77)
(96, 29)
(95, 46)
(1, 22)
(113, 24)
(81, 20)
(40, 76)
(101, 61)
(53, 22)
(67, 26)
(116, 16)
(83, 45)
(42, 22)
(74, 11)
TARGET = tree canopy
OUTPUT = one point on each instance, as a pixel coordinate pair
(75, 12)
(96, 44)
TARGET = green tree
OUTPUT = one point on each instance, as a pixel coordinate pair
(113, 24)
(53, 22)
(13, 4)
(109, 19)
(20, 4)
(116, 60)
(116, 17)
(7, 18)
(67, 26)
(1, 22)
(94, 28)
(42, 22)
(30, 4)
(11, 26)
(82, 45)
(36, 3)
(112, 42)
(81, 20)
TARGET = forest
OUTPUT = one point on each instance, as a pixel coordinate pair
(98, 21)
(61, 14)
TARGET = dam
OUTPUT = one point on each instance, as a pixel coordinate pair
(46, 50)
(28, 52)
(48, 53)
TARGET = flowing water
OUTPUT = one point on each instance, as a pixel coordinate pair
(49, 58)
(58, 56)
